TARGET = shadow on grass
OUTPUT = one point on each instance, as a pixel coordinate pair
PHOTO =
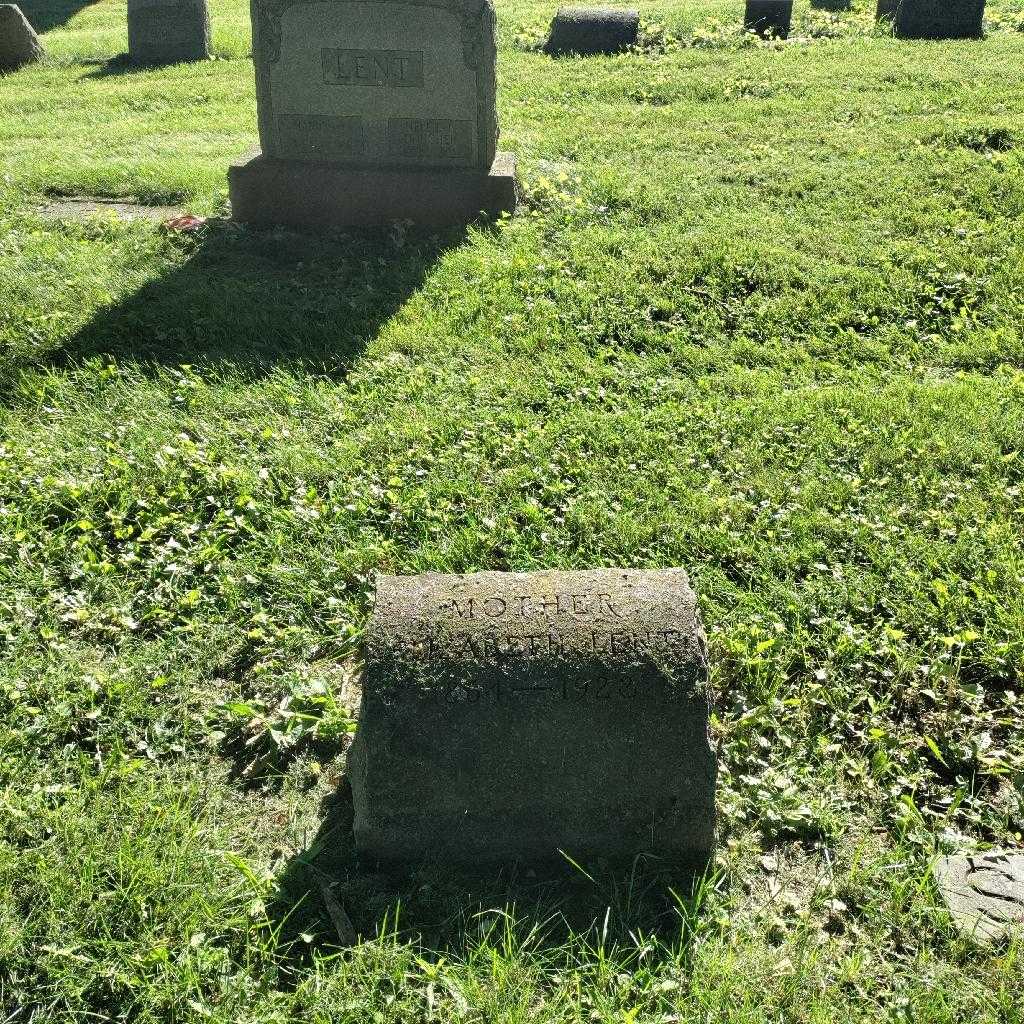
(259, 300)
(46, 14)
(120, 64)
(327, 900)
(123, 64)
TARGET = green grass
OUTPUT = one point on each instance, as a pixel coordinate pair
(760, 316)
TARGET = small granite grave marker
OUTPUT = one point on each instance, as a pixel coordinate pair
(592, 30)
(769, 18)
(511, 716)
(168, 31)
(19, 44)
(984, 892)
(939, 19)
(372, 111)
(886, 10)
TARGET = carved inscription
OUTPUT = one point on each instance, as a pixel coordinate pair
(323, 136)
(421, 138)
(495, 646)
(527, 606)
(984, 892)
(499, 691)
(531, 652)
(397, 69)
(998, 888)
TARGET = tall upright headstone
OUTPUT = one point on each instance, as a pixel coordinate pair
(19, 44)
(527, 716)
(372, 111)
(939, 19)
(168, 31)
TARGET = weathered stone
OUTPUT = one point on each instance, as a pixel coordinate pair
(346, 89)
(984, 892)
(939, 19)
(592, 30)
(511, 716)
(19, 44)
(168, 31)
(769, 17)
(85, 208)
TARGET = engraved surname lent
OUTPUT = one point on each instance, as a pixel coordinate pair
(397, 69)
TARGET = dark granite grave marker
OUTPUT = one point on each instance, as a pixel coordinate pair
(592, 30)
(939, 19)
(769, 18)
(168, 31)
(510, 716)
(886, 10)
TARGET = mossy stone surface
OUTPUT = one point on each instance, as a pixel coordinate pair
(519, 716)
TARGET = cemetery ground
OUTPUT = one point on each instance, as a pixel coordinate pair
(760, 316)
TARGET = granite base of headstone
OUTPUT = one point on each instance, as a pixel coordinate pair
(162, 32)
(372, 111)
(769, 18)
(940, 19)
(984, 892)
(266, 192)
(589, 31)
(19, 44)
(533, 717)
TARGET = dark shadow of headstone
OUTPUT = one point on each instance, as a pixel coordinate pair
(119, 64)
(254, 301)
(125, 64)
(46, 14)
(326, 899)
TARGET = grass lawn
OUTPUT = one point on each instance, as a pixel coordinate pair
(761, 316)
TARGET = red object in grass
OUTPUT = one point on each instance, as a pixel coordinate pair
(186, 222)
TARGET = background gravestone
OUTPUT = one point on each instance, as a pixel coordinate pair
(939, 19)
(886, 10)
(19, 44)
(592, 30)
(168, 31)
(769, 17)
(372, 111)
(510, 716)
